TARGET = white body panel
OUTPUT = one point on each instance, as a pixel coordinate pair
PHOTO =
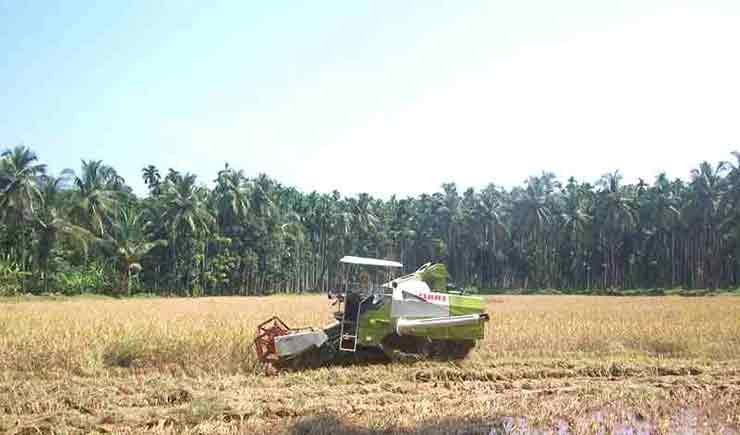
(299, 342)
(409, 326)
(370, 261)
(413, 298)
(413, 286)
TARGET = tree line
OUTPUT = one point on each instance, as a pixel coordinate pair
(86, 231)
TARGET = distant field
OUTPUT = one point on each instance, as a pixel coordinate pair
(616, 292)
(185, 365)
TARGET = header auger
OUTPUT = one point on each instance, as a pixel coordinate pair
(408, 317)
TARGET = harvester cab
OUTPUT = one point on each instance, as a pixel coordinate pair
(414, 315)
(363, 289)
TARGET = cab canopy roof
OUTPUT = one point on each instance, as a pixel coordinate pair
(370, 261)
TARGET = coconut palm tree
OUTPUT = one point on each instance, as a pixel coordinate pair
(533, 216)
(575, 222)
(230, 197)
(704, 211)
(19, 172)
(96, 196)
(617, 216)
(128, 243)
(51, 222)
(19, 199)
(364, 223)
(187, 220)
(489, 212)
(660, 219)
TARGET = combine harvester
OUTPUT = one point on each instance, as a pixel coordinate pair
(409, 317)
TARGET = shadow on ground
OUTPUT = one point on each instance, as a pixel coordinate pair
(368, 357)
(363, 358)
(329, 424)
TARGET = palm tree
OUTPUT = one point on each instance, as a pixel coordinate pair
(707, 188)
(400, 218)
(449, 213)
(186, 218)
(617, 216)
(704, 207)
(231, 197)
(364, 222)
(489, 212)
(19, 172)
(575, 222)
(533, 214)
(261, 199)
(292, 232)
(129, 244)
(660, 218)
(730, 225)
(51, 223)
(19, 198)
(96, 196)
(152, 179)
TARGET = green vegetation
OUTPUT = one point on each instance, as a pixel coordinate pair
(436, 276)
(88, 232)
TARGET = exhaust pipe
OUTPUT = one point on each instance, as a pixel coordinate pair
(409, 326)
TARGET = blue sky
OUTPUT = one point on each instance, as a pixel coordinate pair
(377, 96)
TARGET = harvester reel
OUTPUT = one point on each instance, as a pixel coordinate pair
(264, 342)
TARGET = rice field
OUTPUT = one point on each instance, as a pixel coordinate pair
(574, 364)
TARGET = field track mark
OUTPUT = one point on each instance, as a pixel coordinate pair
(153, 402)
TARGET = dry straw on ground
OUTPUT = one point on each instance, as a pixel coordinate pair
(178, 365)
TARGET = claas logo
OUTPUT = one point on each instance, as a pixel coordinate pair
(433, 297)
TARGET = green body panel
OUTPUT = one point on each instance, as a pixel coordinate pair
(459, 305)
(375, 324)
(470, 332)
(435, 277)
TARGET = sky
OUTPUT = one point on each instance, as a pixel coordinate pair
(385, 97)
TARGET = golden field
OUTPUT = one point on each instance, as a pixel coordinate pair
(578, 363)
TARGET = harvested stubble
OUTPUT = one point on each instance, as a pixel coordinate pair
(177, 365)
